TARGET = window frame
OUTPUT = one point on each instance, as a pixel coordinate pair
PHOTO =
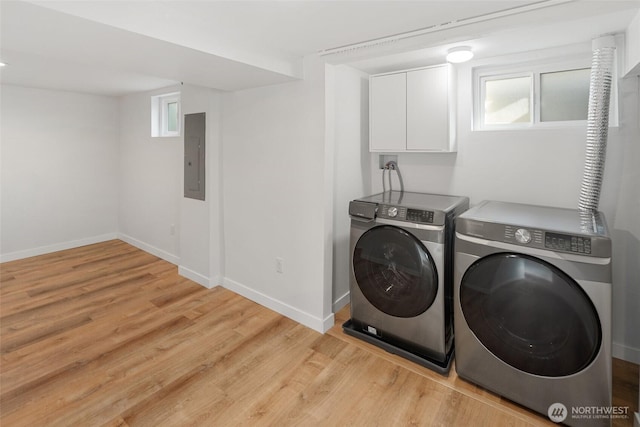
(560, 123)
(160, 115)
(481, 100)
(535, 69)
(164, 120)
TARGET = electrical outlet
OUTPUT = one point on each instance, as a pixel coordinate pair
(279, 265)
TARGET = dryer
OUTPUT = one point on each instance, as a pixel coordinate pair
(532, 308)
(401, 274)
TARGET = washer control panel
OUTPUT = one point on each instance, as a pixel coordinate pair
(402, 213)
(547, 240)
(523, 236)
(567, 243)
(416, 215)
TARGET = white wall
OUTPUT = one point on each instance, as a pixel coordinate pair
(153, 213)
(150, 180)
(200, 228)
(215, 176)
(545, 167)
(59, 170)
(622, 201)
(352, 173)
(632, 51)
(536, 166)
(274, 196)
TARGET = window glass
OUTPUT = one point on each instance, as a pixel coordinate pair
(507, 101)
(564, 95)
(172, 117)
(541, 94)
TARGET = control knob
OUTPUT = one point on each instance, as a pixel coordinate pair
(392, 212)
(523, 235)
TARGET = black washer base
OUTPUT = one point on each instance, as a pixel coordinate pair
(439, 367)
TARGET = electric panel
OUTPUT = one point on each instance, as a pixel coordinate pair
(194, 155)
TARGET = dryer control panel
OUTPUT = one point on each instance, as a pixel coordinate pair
(523, 235)
(567, 243)
(547, 240)
(537, 227)
(402, 213)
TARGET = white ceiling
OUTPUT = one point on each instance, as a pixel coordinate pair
(116, 47)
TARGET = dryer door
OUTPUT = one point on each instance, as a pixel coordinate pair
(530, 314)
(395, 272)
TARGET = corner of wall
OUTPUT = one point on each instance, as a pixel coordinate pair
(341, 302)
(27, 253)
(173, 259)
(318, 324)
(194, 276)
(632, 47)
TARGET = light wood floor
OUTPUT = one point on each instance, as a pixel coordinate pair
(109, 335)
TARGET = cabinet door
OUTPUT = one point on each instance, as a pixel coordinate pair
(388, 113)
(428, 109)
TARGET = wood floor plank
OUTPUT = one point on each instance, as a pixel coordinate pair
(66, 274)
(31, 269)
(108, 335)
(75, 299)
(260, 369)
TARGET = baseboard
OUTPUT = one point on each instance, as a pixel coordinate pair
(200, 279)
(194, 276)
(42, 250)
(341, 302)
(630, 354)
(313, 322)
(328, 323)
(215, 281)
(173, 259)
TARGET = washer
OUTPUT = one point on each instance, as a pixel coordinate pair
(532, 308)
(401, 275)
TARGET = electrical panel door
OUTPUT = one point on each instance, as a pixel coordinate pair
(194, 155)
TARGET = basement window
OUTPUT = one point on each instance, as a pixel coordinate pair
(564, 95)
(532, 96)
(507, 100)
(165, 115)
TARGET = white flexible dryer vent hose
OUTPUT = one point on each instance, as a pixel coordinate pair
(602, 66)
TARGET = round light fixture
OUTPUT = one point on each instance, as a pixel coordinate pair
(459, 54)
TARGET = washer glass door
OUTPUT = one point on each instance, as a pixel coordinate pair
(395, 272)
(530, 314)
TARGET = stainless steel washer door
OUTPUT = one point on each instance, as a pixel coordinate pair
(530, 314)
(395, 272)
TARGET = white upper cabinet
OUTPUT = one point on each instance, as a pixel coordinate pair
(428, 109)
(388, 112)
(412, 111)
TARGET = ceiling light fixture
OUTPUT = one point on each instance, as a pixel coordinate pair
(2, 64)
(459, 54)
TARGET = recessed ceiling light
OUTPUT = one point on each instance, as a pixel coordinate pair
(459, 54)
(2, 64)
